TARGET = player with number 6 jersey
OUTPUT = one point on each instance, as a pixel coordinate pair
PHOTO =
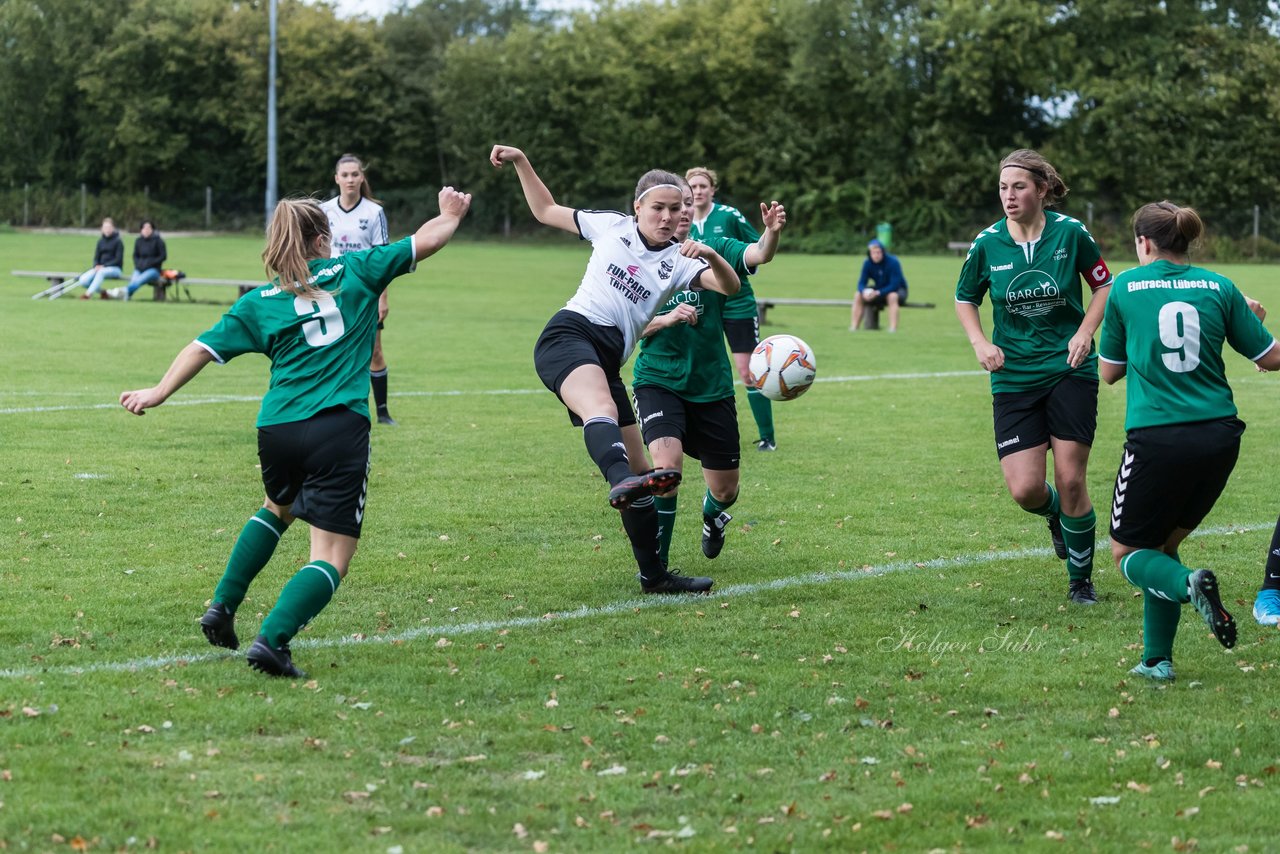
(1166, 325)
(315, 320)
(1044, 374)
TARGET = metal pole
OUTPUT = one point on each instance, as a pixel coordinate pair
(1256, 211)
(208, 208)
(84, 205)
(272, 178)
(26, 204)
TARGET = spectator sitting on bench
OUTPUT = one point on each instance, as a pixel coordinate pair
(149, 255)
(881, 284)
(108, 258)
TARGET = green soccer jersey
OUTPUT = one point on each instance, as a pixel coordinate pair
(1036, 298)
(728, 222)
(1167, 323)
(319, 348)
(691, 361)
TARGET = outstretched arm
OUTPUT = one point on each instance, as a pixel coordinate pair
(187, 364)
(718, 276)
(431, 237)
(541, 203)
(762, 251)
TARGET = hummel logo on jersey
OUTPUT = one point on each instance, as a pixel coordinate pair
(1007, 442)
(647, 418)
(996, 268)
(664, 270)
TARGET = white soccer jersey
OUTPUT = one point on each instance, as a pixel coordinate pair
(626, 282)
(362, 227)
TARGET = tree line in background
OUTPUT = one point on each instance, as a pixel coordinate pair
(849, 111)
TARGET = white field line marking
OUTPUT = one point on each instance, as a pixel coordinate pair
(239, 398)
(624, 606)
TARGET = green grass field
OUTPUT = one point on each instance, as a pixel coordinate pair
(888, 661)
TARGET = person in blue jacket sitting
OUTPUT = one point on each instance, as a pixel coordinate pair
(881, 284)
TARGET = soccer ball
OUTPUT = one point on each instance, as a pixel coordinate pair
(782, 367)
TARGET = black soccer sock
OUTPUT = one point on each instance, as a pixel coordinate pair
(604, 444)
(641, 523)
(378, 379)
(1271, 578)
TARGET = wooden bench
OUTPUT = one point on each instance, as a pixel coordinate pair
(60, 283)
(960, 247)
(870, 313)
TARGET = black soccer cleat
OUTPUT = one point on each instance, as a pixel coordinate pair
(219, 626)
(273, 662)
(713, 533)
(1080, 591)
(674, 582)
(1055, 531)
(384, 417)
(1203, 588)
(637, 486)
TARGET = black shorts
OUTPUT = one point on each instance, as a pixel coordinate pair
(1170, 477)
(569, 341)
(743, 333)
(1067, 410)
(708, 431)
(320, 466)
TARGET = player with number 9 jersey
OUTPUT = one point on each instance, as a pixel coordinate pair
(1165, 327)
(315, 320)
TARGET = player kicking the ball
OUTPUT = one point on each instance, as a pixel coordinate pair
(635, 266)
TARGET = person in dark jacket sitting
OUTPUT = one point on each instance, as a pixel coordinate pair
(148, 258)
(108, 258)
(881, 284)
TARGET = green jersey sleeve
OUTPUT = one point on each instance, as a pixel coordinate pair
(973, 283)
(235, 334)
(1111, 343)
(1245, 332)
(378, 266)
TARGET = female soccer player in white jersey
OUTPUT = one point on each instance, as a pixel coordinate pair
(1165, 327)
(356, 222)
(316, 323)
(741, 316)
(635, 265)
(1044, 369)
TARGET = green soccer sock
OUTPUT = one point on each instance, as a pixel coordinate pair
(1159, 626)
(302, 598)
(1051, 506)
(1078, 532)
(666, 523)
(253, 548)
(710, 506)
(1155, 572)
(762, 411)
